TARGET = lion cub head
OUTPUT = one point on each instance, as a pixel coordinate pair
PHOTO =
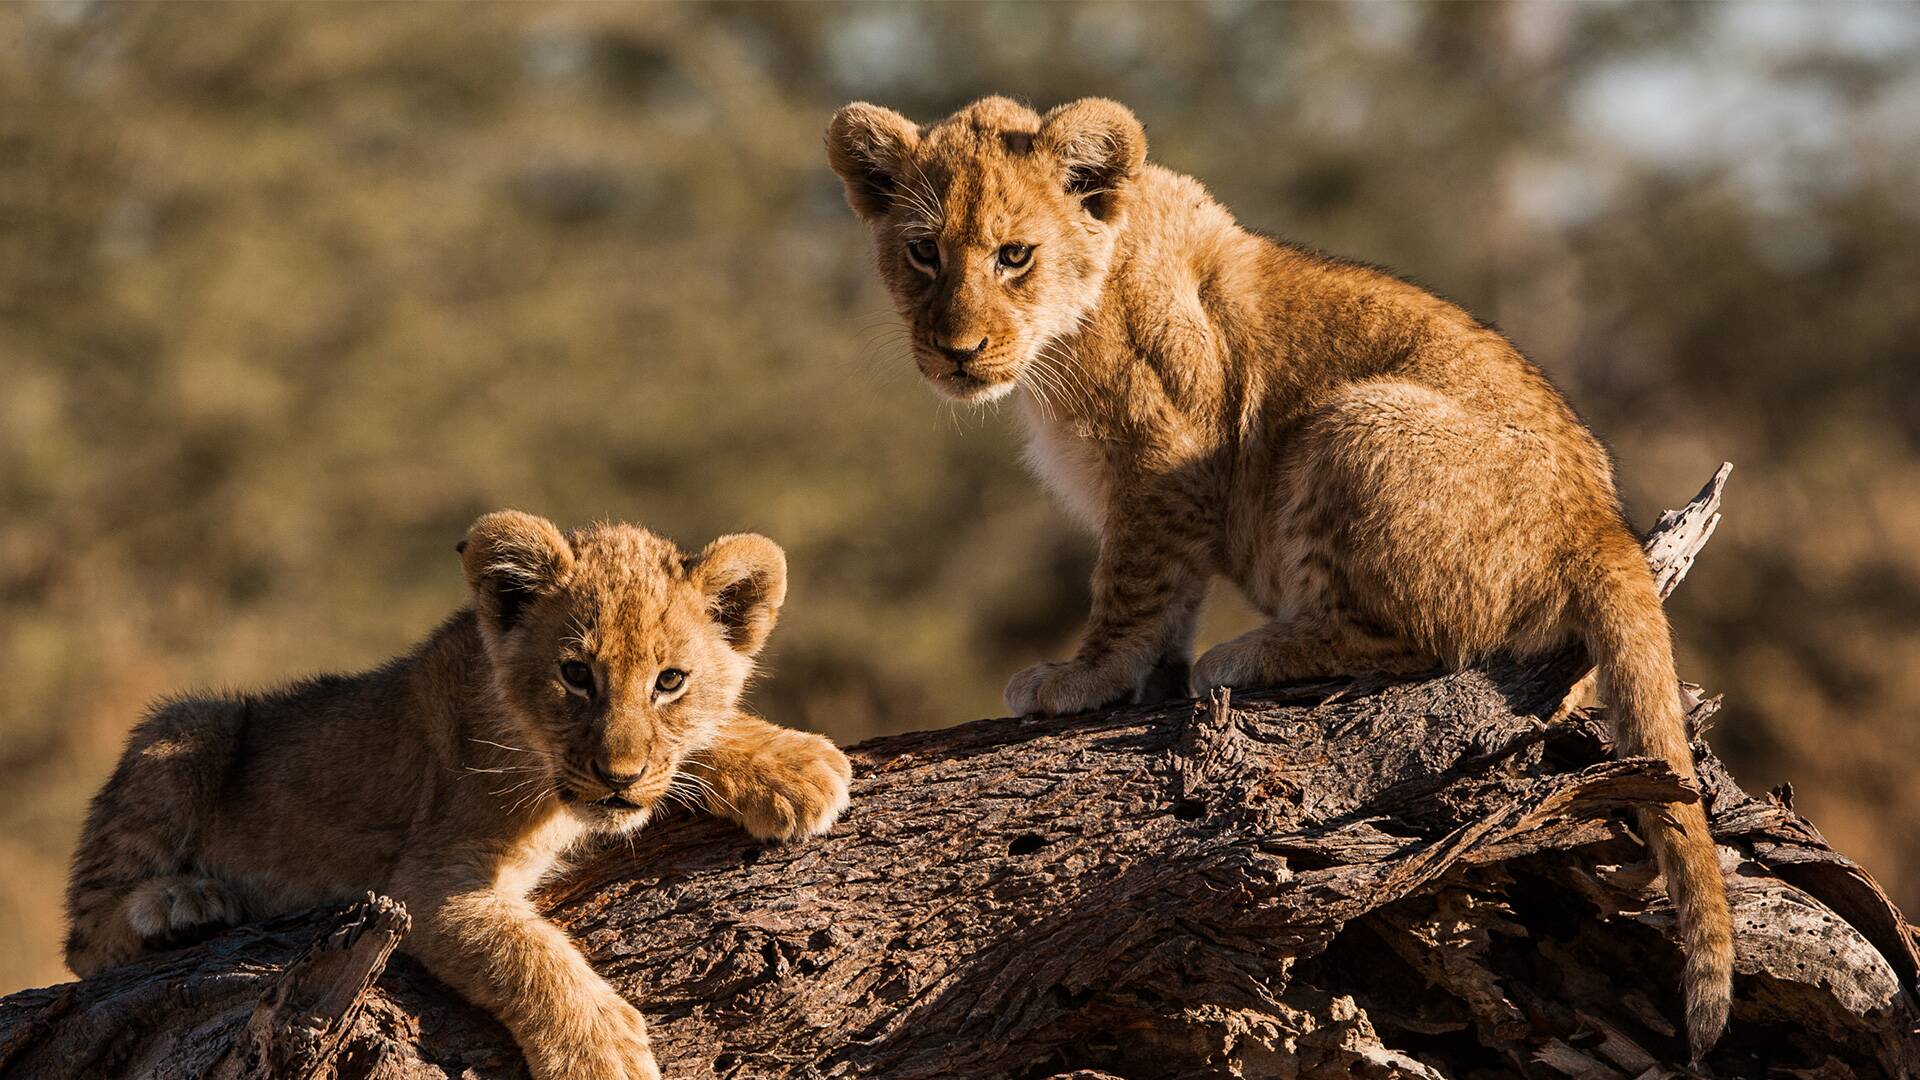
(994, 228)
(614, 655)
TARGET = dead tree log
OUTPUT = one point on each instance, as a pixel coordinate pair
(1426, 878)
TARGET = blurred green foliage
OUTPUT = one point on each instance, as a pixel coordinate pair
(289, 293)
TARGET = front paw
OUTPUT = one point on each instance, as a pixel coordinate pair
(1058, 687)
(1236, 664)
(797, 787)
(614, 1046)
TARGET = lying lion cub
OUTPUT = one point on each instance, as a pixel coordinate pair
(596, 674)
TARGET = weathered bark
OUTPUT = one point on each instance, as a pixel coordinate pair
(1425, 878)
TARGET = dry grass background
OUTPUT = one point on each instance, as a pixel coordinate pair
(289, 293)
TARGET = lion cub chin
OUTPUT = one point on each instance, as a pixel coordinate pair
(597, 674)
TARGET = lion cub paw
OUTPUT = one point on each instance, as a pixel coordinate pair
(613, 1047)
(1058, 687)
(794, 785)
(1237, 664)
(181, 908)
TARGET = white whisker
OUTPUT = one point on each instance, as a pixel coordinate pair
(504, 746)
(511, 788)
(529, 799)
(702, 787)
(1070, 371)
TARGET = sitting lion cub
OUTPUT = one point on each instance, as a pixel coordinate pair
(596, 674)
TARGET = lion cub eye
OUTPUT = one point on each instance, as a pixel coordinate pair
(1015, 256)
(924, 252)
(670, 680)
(577, 676)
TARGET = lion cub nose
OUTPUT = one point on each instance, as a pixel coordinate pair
(957, 354)
(603, 772)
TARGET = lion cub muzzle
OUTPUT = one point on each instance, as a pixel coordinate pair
(600, 783)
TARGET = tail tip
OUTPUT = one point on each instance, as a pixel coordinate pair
(1707, 1009)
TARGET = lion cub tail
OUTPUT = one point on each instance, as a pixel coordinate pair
(1627, 635)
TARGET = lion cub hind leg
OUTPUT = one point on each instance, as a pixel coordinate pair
(1309, 647)
(779, 784)
(177, 910)
(1319, 637)
(130, 889)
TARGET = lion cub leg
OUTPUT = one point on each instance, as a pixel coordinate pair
(1317, 637)
(1149, 580)
(182, 907)
(1310, 647)
(133, 885)
(779, 784)
(497, 951)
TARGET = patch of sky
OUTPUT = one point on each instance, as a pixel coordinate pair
(1858, 29)
(1775, 137)
(1108, 37)
(880, 49)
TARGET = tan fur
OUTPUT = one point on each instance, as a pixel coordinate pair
(1384, 476)
(454, 777)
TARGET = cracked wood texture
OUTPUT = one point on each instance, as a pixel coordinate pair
(1425, 878)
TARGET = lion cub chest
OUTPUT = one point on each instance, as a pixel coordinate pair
(1071, 464)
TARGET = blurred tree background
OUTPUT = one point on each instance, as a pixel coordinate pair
(289, 293)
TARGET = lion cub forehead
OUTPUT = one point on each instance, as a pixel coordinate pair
(620, 560)
(618, 543)
(980, 167)
(996, 113)
(994, 123)
(626, 582)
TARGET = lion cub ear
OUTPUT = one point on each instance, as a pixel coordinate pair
(744, 578)
(868, 146)
(510, 559)
(1101, 146)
